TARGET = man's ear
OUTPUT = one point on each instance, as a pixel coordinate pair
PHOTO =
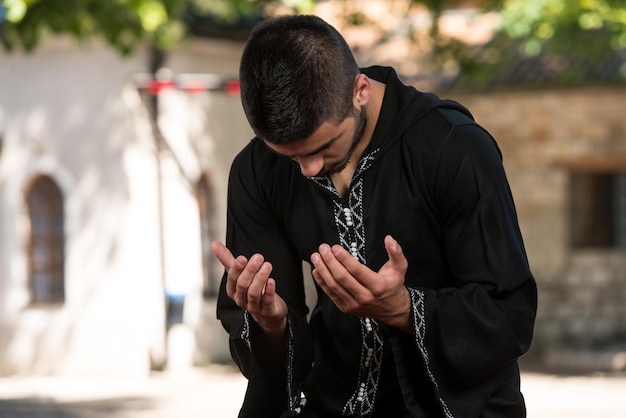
(362, 91)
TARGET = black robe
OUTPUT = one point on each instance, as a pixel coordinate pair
(433, 179)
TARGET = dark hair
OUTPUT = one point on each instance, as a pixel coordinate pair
(296, 73)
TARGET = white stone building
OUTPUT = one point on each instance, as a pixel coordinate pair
(97, 222)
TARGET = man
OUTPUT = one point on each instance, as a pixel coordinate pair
(399, 202)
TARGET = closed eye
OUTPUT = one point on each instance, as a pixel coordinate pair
(319, 149)
(323, 147)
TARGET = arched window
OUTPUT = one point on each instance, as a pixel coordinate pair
(46, 253)
(206, 204)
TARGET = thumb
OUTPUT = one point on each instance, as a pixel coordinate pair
(394, 251)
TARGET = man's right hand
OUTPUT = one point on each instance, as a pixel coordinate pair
(249, 284)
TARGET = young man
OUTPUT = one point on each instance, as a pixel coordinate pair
(399, 202)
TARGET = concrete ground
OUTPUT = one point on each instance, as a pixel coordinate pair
(217, 391)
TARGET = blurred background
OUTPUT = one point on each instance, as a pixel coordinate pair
(119, 121)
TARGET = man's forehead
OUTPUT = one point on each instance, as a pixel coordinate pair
(321, 139)
(300, 148)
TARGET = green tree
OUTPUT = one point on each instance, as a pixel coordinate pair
(123, 23)
(585, 31)
(558, 25)
(578, 36)
(585, 28)
(565, 25)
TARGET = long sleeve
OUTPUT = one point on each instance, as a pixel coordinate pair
(471, 333)
(253, 228)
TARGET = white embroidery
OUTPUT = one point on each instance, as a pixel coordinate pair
(245, 332)
(419, 326)
(362, 401)
(295, 396)
(350, 225)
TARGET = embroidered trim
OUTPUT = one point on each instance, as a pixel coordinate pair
(365, 163)
(295, 396)
(325, 183)
(419, 326)
(245, 332)
(362, 401)
(351, 229)
(349, 221)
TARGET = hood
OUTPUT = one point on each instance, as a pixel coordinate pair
(403, 106)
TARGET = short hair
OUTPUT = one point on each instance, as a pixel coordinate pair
(296, 73)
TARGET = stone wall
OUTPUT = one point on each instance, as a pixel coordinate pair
(544, 135)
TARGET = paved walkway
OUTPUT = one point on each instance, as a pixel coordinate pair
(216, 392)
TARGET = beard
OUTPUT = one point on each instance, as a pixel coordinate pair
(334, 167)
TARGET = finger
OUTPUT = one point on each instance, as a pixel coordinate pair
(257, 288)
(233, 265)
(326, 289)
(331, 281)
(234, 271)
(396, 256)
(267, 300)
(223, 254)
(364, 277)
(242, 279)
(270, 289)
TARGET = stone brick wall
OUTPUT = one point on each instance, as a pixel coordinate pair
(543, 135)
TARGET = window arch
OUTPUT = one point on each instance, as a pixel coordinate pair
(46, 241)
(206, 206)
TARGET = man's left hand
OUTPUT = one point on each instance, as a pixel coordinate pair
(359, 291)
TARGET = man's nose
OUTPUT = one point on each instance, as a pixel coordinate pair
(311, 165)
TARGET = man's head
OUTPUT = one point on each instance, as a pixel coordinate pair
(296, 73)
(330, 148)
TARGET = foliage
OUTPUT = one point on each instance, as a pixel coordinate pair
(123, 23)
(561, 25)
(585, 28)
(563, 41)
